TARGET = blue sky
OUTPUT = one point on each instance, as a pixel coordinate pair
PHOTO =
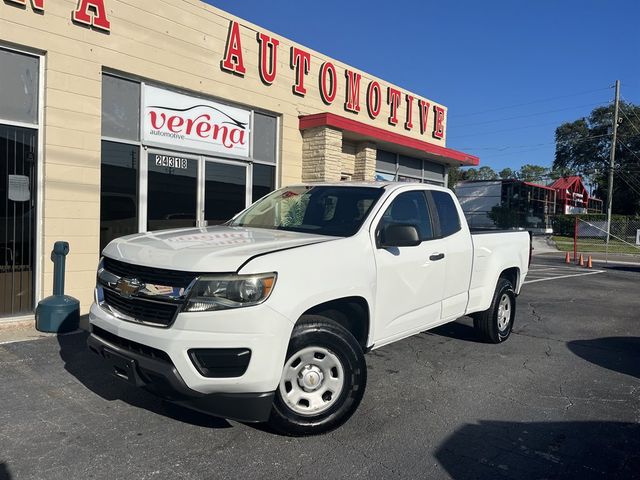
(510, 71)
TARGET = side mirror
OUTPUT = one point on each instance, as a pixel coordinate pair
(399, 236)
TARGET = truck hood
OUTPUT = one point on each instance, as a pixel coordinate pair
(212, 249)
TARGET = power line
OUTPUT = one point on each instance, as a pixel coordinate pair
(505, 130)
(632, 152)
(631, 186)
(491, 132)
(531, 145)
(532, 114)
(629, 177)
(506, 107)
(519, 152)
(633, 110)
(629, 120)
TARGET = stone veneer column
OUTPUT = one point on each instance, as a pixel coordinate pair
(321, 155)
(365, 161)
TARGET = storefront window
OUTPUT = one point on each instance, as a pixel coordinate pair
(120, 108)
(264, 137)
(264, 181)
(433, 173)
(118, 191)
(18, 181)
(387, 162)
(172, 194)
(225, 191)
(19, 87)
(391, 166)
(410, 167)
(385, 177)
(184, 185)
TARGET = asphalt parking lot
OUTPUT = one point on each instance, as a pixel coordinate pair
(560, 399)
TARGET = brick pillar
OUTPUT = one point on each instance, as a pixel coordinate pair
(365, 161)
(321, 155)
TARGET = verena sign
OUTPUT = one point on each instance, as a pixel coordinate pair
(183, 122)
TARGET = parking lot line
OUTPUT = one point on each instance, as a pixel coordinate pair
(594, 272)
(555, 272)
(534, 269)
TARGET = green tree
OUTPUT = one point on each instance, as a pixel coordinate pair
(556, 173)
(507, 173)
(470, 174)
(486, 173)
(531, 173)
(583, 147)
(455, 176)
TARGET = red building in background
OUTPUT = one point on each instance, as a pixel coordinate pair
(573, 197)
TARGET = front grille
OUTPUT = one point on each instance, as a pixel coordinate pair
(156, 276)
(130, 345)
(157, 313)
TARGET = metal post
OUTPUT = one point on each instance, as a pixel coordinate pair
(575, 239)
(612, 160)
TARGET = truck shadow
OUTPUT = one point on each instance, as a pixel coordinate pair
(5, 474)
(622, 268)
(93, 373)
(620, 354)
(532, 450)
(459, 330)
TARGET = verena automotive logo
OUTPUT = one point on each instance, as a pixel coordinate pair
(183, 121)
(195, 122)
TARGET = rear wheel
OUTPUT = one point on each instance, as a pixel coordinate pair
(323, 379)
(494, 325)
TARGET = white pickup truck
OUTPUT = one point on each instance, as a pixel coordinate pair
(268, 317)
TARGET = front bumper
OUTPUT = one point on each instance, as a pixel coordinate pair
(259, 329)
(149, 369)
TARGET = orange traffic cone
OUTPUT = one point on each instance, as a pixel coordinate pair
(589, 262)
(567, 258)
(581, 260)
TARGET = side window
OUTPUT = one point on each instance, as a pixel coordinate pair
(447, 213)
(409, 208)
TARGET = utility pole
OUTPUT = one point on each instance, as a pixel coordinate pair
(612, 161)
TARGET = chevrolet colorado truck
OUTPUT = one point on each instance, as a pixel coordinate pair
(267, 318)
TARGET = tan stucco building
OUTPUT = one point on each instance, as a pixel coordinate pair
(120, 116)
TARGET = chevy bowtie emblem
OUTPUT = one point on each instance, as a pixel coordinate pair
(128, 286)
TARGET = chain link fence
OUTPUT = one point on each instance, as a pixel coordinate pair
(590, 236)
(624, 236)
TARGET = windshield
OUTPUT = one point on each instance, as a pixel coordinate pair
(321, 210)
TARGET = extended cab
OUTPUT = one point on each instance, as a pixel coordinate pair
(268, 317)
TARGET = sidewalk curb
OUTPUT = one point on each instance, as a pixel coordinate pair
(17, 324)
(24, 330)
(595, 260)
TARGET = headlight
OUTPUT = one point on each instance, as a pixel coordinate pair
(229, 291)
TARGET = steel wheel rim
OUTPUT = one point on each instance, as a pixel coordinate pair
(504, 312)
(312, 380)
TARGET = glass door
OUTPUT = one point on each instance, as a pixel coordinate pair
(172, 191)
(17, 219)
(225, 190)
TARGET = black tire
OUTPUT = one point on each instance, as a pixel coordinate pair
(487, 323)
(320, 332)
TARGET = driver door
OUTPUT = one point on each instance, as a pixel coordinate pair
(410, 280)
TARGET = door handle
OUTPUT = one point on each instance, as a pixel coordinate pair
(436, 256)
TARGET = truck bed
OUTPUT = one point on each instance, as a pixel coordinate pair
(495, 251)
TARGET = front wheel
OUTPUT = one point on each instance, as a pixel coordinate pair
(323, 379)
(494, 325)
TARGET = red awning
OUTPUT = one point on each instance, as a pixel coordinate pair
(368, 132)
